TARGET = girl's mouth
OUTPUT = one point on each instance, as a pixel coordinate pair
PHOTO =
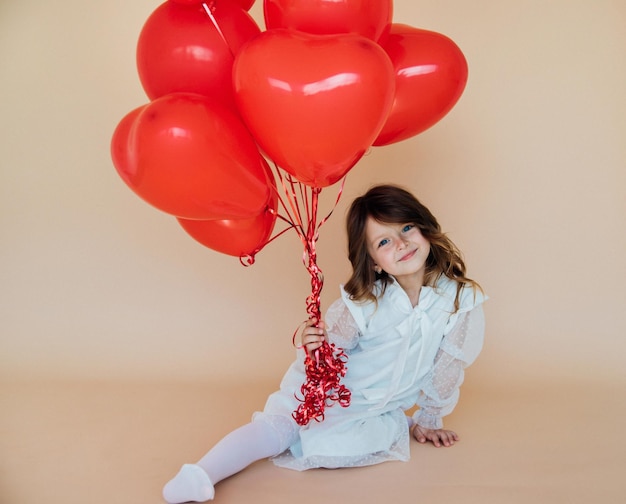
(408, 256)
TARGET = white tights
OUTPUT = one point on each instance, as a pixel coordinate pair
(265, 437)
(247, 444)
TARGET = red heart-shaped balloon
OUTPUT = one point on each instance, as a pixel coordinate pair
(431, 73)
(370, 18)
(314, 103)
(192, 158)
(183, 49)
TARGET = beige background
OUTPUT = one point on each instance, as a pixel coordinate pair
(527, 174)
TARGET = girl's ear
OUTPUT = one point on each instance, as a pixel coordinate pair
(378, 269)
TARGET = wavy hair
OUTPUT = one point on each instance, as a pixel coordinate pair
(392, 204)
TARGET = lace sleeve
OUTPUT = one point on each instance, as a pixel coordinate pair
(459, 348)
(341, 326)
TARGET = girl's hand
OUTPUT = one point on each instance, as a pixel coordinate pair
(313, 335)
(438, 437)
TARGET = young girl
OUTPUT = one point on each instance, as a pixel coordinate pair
(409, 321)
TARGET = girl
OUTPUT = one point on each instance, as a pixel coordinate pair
(409, 321)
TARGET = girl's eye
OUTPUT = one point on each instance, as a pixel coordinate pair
(383, 242)
(408, 227)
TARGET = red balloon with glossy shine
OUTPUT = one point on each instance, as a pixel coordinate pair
(246, 4)
(192, 158)
(314, 103)
(369, 18)
(181, 50)
(430, 73)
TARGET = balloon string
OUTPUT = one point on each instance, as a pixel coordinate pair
(325, 368)
(292, 209)
(209, 10)
(339, 193)
(327, 365)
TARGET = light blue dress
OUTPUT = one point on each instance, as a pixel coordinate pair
(399, 356)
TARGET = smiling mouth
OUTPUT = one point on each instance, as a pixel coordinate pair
(408, 256)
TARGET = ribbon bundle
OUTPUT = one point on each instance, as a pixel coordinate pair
(327, 366)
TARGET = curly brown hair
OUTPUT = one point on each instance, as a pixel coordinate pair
(394, 204)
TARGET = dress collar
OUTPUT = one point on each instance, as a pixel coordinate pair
(399, 296)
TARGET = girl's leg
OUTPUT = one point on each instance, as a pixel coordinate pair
(239, 449)
(247, 444)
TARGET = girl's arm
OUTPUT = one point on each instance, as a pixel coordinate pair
(459, 348)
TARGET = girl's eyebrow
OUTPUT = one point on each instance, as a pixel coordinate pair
(377, 238)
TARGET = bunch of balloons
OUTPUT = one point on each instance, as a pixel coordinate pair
(326, 81)
(312, 93)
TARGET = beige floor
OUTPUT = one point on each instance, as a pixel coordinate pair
(117, 443)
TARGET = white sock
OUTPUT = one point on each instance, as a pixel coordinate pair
(247, 444)
(191, 484)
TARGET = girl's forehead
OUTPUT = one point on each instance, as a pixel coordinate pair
(375, 227)
(388, 223)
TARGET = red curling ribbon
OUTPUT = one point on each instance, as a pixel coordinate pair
(322, 387)
(327, 366)
(247, 259)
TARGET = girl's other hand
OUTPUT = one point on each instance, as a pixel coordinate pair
(438, 437)
(313, 335)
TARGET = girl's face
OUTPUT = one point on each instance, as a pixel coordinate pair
(398, 249)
